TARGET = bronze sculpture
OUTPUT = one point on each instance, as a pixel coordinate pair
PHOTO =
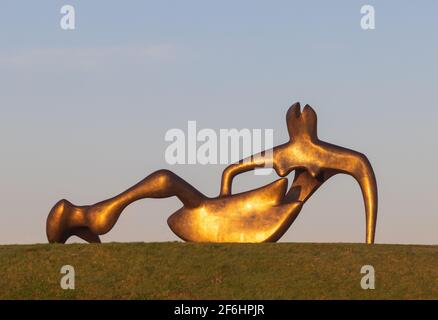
(258, 215)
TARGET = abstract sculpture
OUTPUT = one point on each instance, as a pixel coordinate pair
(258, 215)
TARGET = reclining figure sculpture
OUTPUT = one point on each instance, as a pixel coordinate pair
(259, 215)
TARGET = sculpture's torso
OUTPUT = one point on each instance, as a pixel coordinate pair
(255, 216)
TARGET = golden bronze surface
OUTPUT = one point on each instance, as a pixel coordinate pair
(258, 215)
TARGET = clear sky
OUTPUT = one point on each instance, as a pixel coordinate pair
(83, 113)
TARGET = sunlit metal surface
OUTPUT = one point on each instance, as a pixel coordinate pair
(258, 215)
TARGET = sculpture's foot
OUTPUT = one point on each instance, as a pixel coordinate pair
(66, 220)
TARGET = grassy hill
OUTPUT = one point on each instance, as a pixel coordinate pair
(217, 271)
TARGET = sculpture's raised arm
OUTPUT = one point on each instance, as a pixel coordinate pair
(256, 161)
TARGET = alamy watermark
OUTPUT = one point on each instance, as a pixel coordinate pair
(68, 280)
(68, 18)
(368, 20)
(368, 280)
(227, 146)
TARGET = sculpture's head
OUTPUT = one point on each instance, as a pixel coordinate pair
(301, 124)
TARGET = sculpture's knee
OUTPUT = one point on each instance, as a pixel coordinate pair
(165, 178)
(57, 222)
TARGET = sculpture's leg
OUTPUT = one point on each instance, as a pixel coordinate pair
(88, 222)
(86, 234)
(304, 185)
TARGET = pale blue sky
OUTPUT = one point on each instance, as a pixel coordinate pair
(83, 113)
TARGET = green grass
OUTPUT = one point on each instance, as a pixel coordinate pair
(218, 271)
